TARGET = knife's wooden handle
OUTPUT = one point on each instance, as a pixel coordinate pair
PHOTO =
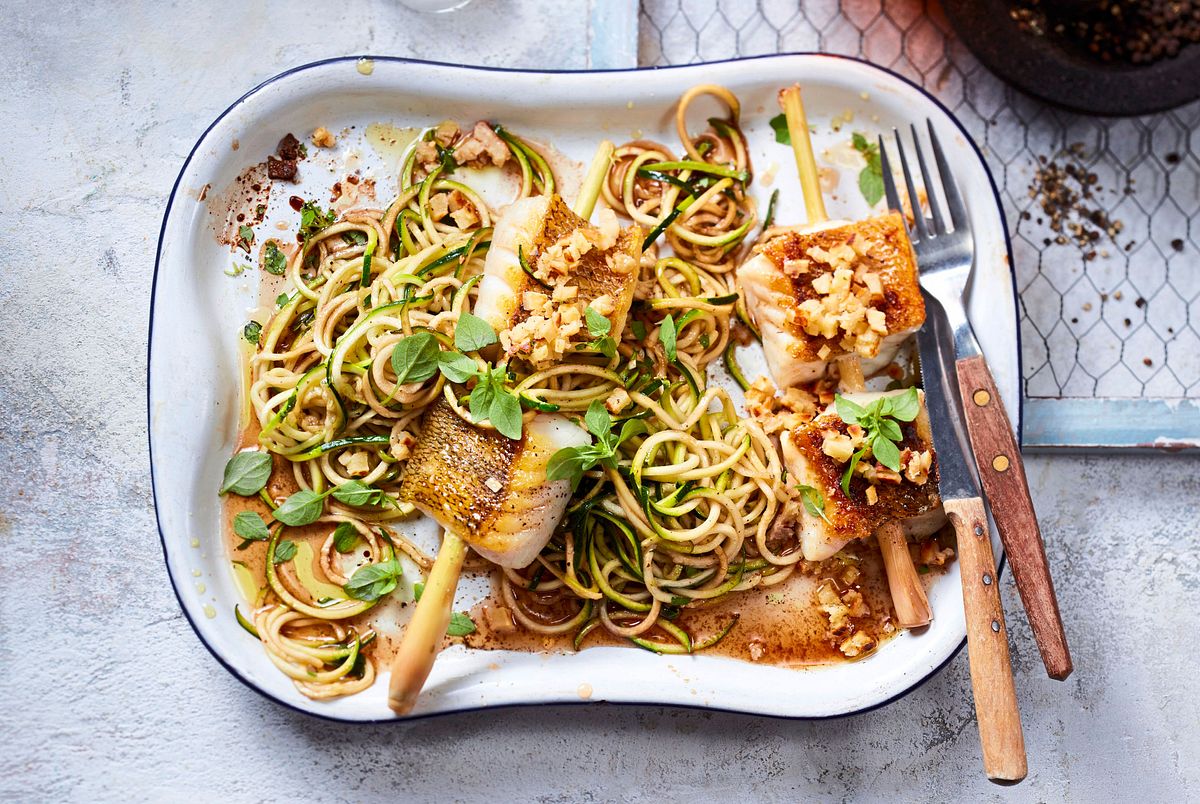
(1004, 483)
(987, 645)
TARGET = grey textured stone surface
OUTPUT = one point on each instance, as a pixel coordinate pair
(106, 693)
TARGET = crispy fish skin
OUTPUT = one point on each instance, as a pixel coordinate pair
(490, 489)
(918, 507)
(531, 225)
(773, 298)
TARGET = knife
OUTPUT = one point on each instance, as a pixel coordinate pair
(987, 637)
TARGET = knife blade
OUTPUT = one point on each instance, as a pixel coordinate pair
(999, 718)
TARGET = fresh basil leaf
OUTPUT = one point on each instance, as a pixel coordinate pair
(481, 399)
(415, 358)
(814, 501)
(870, 184)
(631, 428)
(250, 526)
(890, 430)
(605, 346)
(598, 422)
(779, 126)
(355, 237)
(302, 508)
(247, 473)
(284, 551)
(473, 333)
(598, 326)
(567, 464)
(245, 237)
(418, 590)
(849, 473)
(313, 219)
(357, 493)
(849, 412)
(456, 367)
(374, 580)
(859, 142)
(666, 334)
(460, 625)
(906, 406)
(274, 261)
(281, 299)
(886, 453)
(345, 536)
(638, 329)
(252, 332)
(505, 413)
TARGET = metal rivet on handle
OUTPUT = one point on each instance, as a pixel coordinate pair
(987, 579)
(979, 530)
(996, 626)
(981, 397)
(1000, 463)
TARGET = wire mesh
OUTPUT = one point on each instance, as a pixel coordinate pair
(1122, 323)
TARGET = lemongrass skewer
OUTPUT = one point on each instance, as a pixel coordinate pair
(908, 593)
(589, 191)
(423, 636)
(850, 373)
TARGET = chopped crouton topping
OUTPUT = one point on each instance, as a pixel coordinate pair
(916, 465)
(777, 412)
(323, 138)
(848, 293)
(617, 400)
(859, 643)
(356, 462)
(481, 147)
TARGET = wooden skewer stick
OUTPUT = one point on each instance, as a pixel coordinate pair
(850, 373)
(423, 637)
(908, 593)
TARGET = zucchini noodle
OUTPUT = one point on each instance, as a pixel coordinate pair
(679, 521)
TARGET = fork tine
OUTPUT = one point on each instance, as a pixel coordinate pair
(913, 199)
(939, 224)
(889, 181)
(954, 203)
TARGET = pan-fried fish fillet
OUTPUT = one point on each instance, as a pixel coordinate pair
(577, 263)
(916, 505)
(489, 489)
(842, 288)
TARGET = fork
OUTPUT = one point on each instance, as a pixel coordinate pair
(945, 257)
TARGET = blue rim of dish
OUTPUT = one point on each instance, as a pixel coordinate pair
(402, 60)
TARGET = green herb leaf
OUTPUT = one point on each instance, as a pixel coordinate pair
(598, 326)
(870, 184)
(631, 428)
(313, 219)
(906, 406)
(252, 332)
(374, 580)
(345, 536)
(890, 430)
(245, 237)
(415, 358)
(849, 412)
(355, 237)
(456, 367)
(598, 422)
(666, 334)
(481, 399)
(357, 493)
(247, 473)
(779, 125)
(284, 551)
(870, 178)
(505, 413)
(639, 330)
(814, 501)
(281, 299)
(418, 590)
(460, 625)
(473, 333)
(274, 261)
(302, 508)
(250, 526)
(569, 463)
(886, 452)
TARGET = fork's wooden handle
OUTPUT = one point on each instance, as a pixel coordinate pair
(987, 645)
(1003, 476)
